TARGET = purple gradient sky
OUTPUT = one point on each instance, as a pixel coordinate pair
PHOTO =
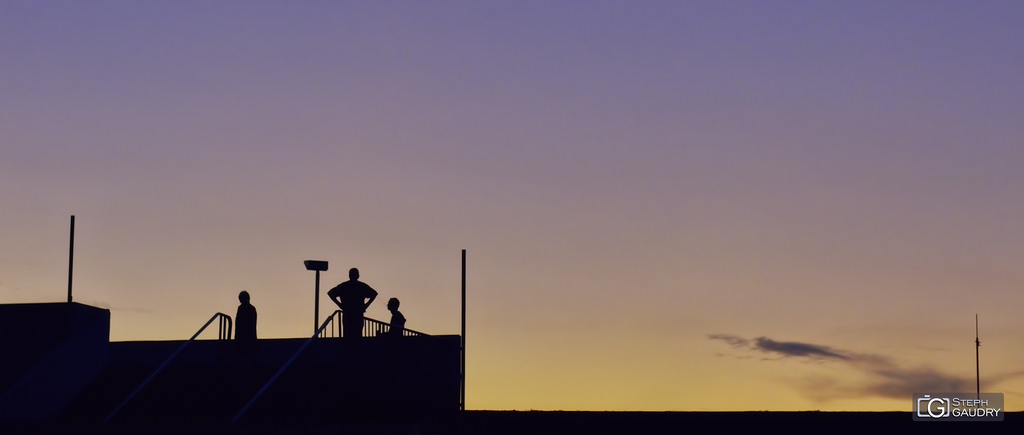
(627, 178)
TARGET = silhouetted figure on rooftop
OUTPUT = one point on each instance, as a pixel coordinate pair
(392, 347)
(397, 319)
(353, 297)
(245, 328)
(392, 367)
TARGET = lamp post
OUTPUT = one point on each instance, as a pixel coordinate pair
(316, 265)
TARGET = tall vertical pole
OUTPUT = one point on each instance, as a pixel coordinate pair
(462, 386)
(316, 304)
(71, 257)
(977, 357)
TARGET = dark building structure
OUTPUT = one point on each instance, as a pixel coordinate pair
(58, 367)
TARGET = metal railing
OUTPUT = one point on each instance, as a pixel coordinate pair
(376, 328)
(223, 327)
(223, 333)
(330, 328)
(371, 328)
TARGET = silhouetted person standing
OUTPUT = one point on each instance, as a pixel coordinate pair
(393, 373)
(245, 328)
(397, 319)
(353, 297)
(392, 348)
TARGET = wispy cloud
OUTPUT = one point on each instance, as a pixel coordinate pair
(885, 377)
(781, 348)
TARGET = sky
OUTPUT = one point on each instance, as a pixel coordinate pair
(691, 206)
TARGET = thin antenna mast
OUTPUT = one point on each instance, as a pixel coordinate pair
(462, 364)
(977, 358)
(71, 257)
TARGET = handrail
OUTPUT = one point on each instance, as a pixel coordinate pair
(224, 333)
(224, 326)
(284, 367)
(335, 330)
(382, 329)
(371, 328)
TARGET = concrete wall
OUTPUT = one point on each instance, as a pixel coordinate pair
(50, 353)
(420, 375)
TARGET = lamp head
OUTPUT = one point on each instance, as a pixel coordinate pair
(316, 265)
